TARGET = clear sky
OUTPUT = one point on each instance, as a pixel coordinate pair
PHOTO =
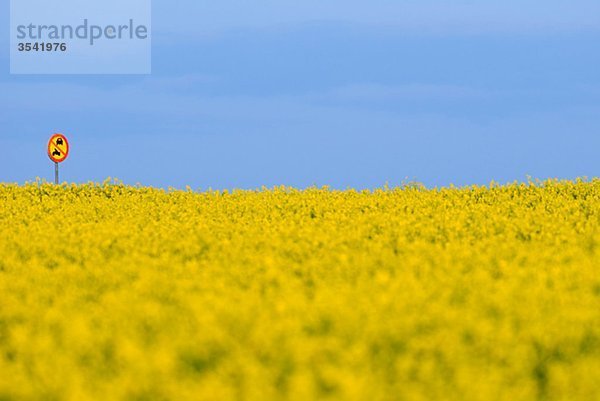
(314, 92)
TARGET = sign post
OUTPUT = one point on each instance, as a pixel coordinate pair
(58, 151)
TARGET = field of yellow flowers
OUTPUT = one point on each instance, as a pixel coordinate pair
(111, 292)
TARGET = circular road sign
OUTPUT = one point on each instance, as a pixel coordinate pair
(58, 148)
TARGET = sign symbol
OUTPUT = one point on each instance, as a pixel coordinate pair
(56, 153)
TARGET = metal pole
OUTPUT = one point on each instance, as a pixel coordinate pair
(56, 173)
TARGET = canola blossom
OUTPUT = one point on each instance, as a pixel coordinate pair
(112, 292)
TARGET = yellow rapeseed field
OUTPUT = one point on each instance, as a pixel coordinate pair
(112, 292)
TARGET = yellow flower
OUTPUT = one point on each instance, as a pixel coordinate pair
(111, 292)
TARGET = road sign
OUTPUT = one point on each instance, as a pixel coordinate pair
(58, 148)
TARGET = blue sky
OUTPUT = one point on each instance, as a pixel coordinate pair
(339, 93)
